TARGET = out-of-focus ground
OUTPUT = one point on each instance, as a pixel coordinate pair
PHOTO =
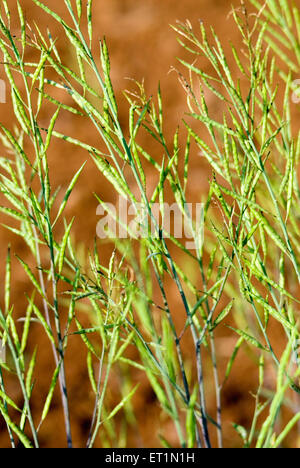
(142, 46)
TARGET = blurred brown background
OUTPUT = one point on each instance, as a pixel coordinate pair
(142, 46)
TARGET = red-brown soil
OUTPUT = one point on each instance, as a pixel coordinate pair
(142, 45)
